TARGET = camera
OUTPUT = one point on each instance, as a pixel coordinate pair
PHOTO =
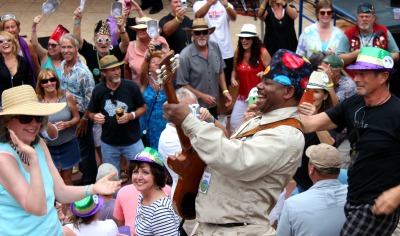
(158, 47)
(195, 109)
(184, 4)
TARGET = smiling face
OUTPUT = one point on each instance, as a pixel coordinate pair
(325, 15)
(319, 96)
(102, 43)
(25, 132)
(53, 47)
(271, 95)
(12, 27)
(48, 82)
(112, 75)
(201, 37)
(68, 50)
(141, 34)
(246, 42)
(143, 178)
(369, 81)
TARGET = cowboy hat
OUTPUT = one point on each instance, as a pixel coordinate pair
(200, 24)
(22, 100)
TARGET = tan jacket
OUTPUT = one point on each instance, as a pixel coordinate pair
(247, 175)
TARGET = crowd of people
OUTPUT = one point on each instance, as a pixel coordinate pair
(323, 117)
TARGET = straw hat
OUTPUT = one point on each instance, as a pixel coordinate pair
(22, 100)
(109, 61)
(248, 30)
(88, 206)
(142, 23)
(200, 24)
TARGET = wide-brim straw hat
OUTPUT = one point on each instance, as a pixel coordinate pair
(109, 61)
(22, 100)
(142, 23)
(200, 24)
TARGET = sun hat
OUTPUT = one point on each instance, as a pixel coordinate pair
(335, 62)
(142, 23)
(200, 24)
(108, 62)
(102, 27)
(150, 155)
(290, 69)
(248, 30)
(105, 169)
(22, 100)
(318, 80)
(365, 8)
(58, 32)
(372, 58)
(324, 156)
(87, 206)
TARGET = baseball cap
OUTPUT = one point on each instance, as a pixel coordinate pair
(105, 169)
(324, 156)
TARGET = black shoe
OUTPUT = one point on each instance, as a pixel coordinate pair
(155, 10)
(144, 7)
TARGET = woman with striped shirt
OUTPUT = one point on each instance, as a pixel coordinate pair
(154, 215)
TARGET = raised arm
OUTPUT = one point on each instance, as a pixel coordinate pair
(204, 9)
(229, 10)
(171, 26)
(40, 51)
(77, 26)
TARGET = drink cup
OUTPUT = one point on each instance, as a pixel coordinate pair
(396, 13)
(119, 112)
(125, 229)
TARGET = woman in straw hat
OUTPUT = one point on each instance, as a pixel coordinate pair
(154, 215)
(29, 181)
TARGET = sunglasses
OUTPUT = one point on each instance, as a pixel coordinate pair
(203, 32)
(247, 38)
(325, 13)
(101, 40)
(45, 81)
(26, 119)
(5, 40)
(7, 17)
(52, 45)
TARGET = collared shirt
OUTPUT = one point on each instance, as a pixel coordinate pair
(317, 211)
(79, 82)
(345, 88)
(247, 175)
(199, 72)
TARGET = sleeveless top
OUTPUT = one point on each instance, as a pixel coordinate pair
(49, 65)
(16, 221)
(65, 135)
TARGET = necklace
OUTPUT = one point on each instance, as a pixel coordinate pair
(365, 41)
(21, 155)
(383, 101)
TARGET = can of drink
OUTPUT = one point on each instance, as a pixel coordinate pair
(119, 112)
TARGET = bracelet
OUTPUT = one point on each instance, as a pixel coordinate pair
(87, 190)
(123, 31)
(331, 85)
(77, 22)
(33, 29)
(84, 118)
(177, 19)
(133, 114)
(225, 91)
(212, 120)
(227, 6)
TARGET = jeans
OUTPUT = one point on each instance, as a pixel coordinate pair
(88, 165)
(112, 154)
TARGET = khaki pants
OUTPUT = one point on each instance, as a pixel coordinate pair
(248, 230)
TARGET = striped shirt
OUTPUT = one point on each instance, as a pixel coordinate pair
(159, 218)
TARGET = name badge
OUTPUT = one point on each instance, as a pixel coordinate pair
(205, 181)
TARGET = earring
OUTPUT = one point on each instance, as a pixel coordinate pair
(111, 47)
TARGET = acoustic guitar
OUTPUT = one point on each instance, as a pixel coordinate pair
(190, 168)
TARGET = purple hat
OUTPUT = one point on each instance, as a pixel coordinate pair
(87, 206)
(373, 58)
(150, 155)
(289, 69)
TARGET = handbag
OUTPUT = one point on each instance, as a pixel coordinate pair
(145, 139)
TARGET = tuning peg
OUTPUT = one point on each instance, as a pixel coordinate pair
(158, 71)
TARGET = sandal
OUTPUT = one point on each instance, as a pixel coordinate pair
(123, 176)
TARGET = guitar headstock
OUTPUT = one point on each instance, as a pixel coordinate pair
(168, 67)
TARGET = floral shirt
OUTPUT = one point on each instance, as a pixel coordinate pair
(345, 88)
(79, 82)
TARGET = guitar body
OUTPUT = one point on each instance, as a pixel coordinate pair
(189, 166)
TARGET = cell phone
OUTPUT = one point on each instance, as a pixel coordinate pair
(183, 4)
(128, 5)
(308, 96)
(152, 28)
(116, 9)
(195, 108)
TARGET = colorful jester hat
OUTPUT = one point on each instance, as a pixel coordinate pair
(88, 206)
(289, 69)
(150, 155)
(372, 58)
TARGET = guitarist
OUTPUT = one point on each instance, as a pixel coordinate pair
(246, 173)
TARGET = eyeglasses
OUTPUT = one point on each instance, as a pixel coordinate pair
(359, 113)
(26, 119)
(113, 101)
(5, 40)
(247, 38)
(325, 13)
(203, 32)
(52, 45)
(45, 81)
(101, 40)
(7, 17)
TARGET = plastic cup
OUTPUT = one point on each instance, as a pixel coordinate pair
(396, 13)
(125, 229)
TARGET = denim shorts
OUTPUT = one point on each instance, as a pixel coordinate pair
(112, 154)
(67, 155)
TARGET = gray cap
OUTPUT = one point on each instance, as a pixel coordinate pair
(324, 156)
(105, 169)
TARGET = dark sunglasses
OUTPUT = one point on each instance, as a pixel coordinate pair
(52, 45)
(101, 40)
(326, 13)
(247, 38)
(45, 81)
(26, 119)
(5, 40)
(203, 32)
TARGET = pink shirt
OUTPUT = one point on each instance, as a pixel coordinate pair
(135, 56)
(126, 204)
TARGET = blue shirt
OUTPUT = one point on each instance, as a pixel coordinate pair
(317, 211)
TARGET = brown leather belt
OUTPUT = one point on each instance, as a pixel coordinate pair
(230, 225)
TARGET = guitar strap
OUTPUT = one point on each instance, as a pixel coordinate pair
(289, 121)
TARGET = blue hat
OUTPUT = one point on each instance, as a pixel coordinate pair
(366, 8)
(289, 69)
